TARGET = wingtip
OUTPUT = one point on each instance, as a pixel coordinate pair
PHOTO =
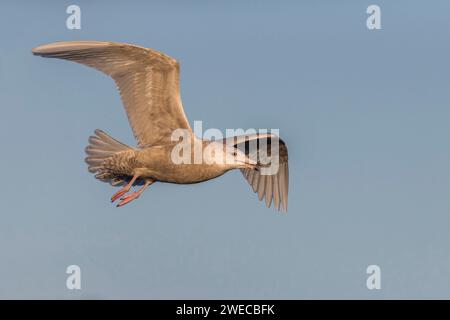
(35, 51)
(43, 49)
(282, 208)
(61, 46)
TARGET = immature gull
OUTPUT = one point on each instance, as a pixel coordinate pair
(148, 82)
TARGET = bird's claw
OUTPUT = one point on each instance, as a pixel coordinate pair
(128, 198)
(118, 194)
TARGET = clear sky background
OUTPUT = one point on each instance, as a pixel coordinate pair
(365, 114)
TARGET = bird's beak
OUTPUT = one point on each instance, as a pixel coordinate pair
(247, 164)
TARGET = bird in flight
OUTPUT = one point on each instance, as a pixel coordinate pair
(149, 85)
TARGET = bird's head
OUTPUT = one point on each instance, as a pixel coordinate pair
(227, 155)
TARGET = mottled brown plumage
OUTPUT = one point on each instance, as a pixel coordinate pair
(148, 82)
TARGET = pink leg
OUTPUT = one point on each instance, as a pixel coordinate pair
(124, 190)
(134, 195)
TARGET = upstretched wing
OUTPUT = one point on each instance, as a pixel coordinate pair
(148, 82)
(273, 187)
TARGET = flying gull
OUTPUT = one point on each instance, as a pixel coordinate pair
(149, 85)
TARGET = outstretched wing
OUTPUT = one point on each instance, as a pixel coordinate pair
(273, 187)
(148, 82)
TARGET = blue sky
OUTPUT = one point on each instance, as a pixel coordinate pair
(365, 115)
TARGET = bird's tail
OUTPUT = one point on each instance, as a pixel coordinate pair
(101, 147)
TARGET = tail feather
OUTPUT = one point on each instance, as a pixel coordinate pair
(104, 145)
(101, 147)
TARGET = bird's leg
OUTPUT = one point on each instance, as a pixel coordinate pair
(124, 190)
(134, 195)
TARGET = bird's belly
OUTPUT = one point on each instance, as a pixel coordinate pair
(183, 173)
